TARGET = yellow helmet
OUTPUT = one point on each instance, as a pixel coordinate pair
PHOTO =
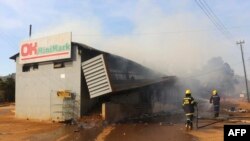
(188, 91)
(214, 92)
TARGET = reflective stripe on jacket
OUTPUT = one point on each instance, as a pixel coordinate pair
(188, 104)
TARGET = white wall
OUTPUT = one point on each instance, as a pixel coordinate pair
(36, 90)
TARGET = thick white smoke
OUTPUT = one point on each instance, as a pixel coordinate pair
(175, 44)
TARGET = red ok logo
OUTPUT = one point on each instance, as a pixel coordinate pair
(28, 49)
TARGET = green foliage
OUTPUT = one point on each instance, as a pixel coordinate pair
(7, 89)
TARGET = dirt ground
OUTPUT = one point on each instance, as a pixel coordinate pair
(170, 128)
(12, 129)
(215, 132)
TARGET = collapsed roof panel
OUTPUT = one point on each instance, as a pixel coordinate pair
(107, 73)
(96, 76)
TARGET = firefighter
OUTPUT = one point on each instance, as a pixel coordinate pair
(188, 105)
(215, 99)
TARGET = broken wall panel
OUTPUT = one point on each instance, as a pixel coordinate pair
(96, 76)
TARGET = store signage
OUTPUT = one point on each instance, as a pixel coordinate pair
(46, 49)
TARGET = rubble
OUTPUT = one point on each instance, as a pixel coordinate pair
(245, 121)
(234, 109)
(87, 125)
(242, 110)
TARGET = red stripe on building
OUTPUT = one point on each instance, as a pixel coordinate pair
(57, 54)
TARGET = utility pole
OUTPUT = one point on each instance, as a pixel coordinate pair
(243, 61)
(30, 31)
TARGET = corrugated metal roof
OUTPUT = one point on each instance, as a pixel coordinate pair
(141, 83)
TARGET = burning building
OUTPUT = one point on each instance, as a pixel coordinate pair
(57, 79)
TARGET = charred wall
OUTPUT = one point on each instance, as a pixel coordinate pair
(87, 104)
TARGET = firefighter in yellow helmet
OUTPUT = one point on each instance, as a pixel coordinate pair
(188, 106)
(215, 99)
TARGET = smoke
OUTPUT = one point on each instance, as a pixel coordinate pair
(216, 74)
(172, 43)
(179, 43)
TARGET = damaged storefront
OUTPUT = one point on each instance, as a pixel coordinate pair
(57, 79)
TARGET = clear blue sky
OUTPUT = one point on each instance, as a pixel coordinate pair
(174, 36)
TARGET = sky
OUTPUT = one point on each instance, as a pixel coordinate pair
(171, 36)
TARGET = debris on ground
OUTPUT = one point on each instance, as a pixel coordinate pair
(87, 125)
(242, 110)
(245, 121)
(234, 109)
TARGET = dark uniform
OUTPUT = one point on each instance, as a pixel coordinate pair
(215, 99)
(188, 106)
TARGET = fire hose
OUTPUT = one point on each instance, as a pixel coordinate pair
(218, 120)
(197, 115)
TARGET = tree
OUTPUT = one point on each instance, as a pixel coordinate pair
(7, 88)
(1, 90)
(218, 75)
(1, 83)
